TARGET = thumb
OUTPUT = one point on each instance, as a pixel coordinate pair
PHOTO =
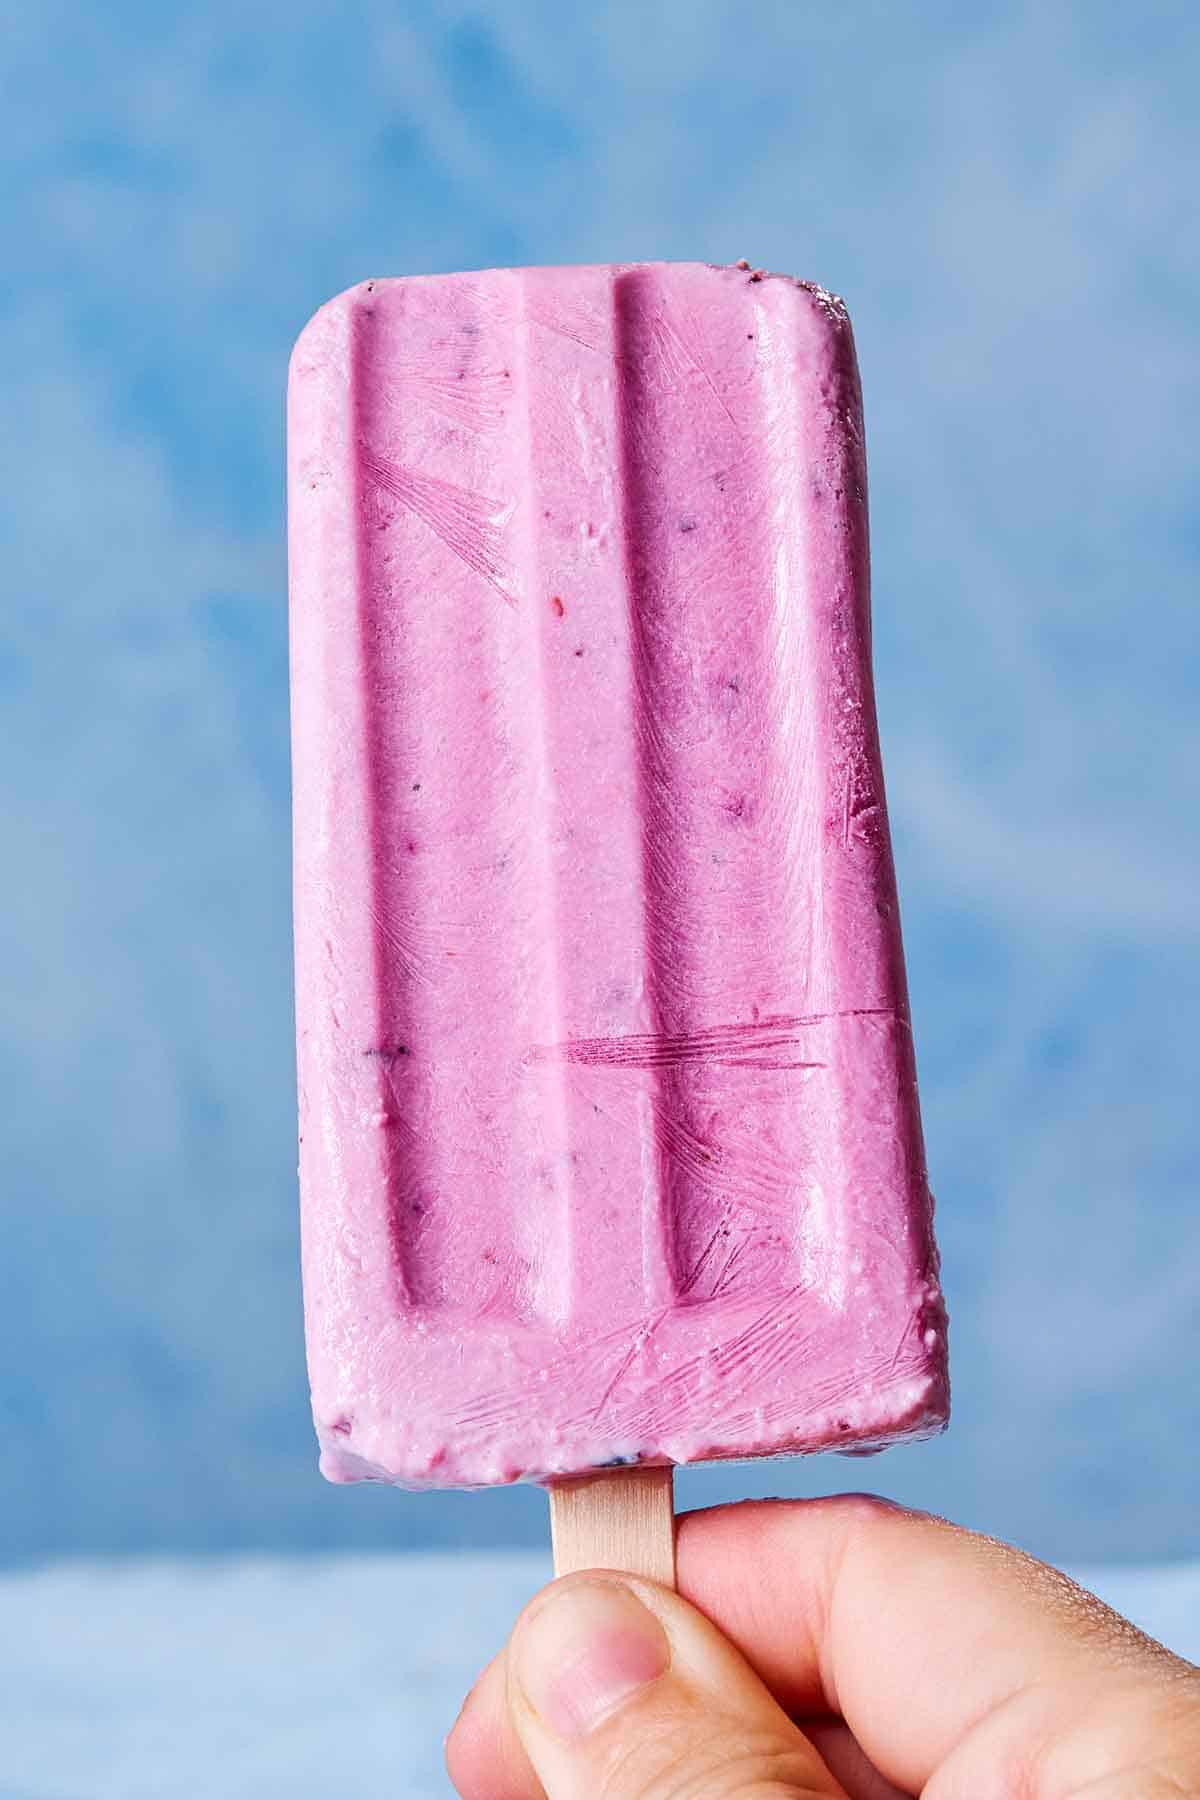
(619, 1690)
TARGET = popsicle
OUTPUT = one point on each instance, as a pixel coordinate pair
(610, 1143)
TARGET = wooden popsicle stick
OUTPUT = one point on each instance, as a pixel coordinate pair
(615, 1519)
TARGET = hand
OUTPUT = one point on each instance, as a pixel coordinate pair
(915, 1658)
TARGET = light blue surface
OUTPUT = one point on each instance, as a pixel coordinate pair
(1004, 195)
(239, 1679)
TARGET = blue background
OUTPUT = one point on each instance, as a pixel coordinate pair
(1006, 197)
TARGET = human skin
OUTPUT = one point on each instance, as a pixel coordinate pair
(835, 1648)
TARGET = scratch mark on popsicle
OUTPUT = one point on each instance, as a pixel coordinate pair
(655, 1050)
(581, 324)
(715, 1268)
(683, 1146)
(772, 1336)
(471, 397)
(677, 355)
(762, 1045)
(717, 1240)
(767, 1344)
(469, 524)
(641, 1339)
(408, 944)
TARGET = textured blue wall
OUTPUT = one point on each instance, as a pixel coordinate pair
(1005, 196)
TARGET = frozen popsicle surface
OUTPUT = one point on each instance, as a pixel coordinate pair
(610, 1146)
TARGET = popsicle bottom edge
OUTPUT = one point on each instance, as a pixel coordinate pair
(915, 1408)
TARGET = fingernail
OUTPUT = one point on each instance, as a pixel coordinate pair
(584, 1652)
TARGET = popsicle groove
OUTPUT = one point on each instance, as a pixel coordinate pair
(586, 717)
(633, 326)
(545, 1162)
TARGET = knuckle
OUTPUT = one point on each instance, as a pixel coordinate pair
(1132, 1742)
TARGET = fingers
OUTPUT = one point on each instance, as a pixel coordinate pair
(618, 1689)
(843, 1757)
(487, 1760)
(912, 1630)
(935, 1646)
(484, 1756)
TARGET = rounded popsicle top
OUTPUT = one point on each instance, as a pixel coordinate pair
(313, 336)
